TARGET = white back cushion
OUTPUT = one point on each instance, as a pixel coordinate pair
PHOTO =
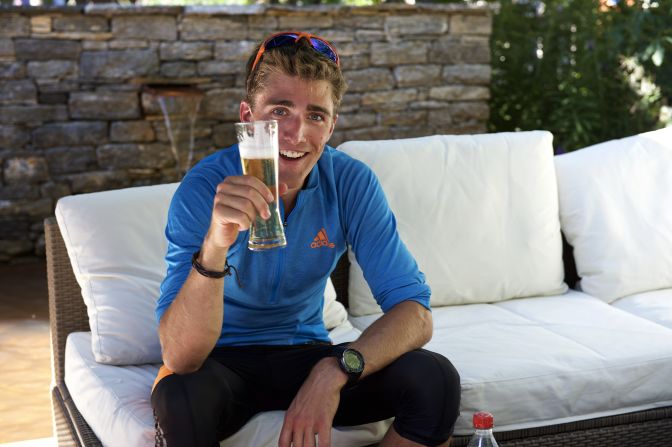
(615, 211)
(479, 213)
(116, 244)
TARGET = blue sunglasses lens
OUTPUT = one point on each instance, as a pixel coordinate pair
(289, 39)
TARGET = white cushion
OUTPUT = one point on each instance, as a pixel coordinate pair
(479, 213)
(615, 211)
(115, 401)
(535, 362)
(116, 245)
(655, 306)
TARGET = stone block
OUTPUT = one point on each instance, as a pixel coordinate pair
(459, 93)
(12, 70)
(224, 135)
(66, 160)
(118, 65)
(94, 45)
(371, 35)
(415, 118)
(40, 24)
(145, 27)
(6, 48)
(356, 120)
(370, 133)
(369, 79)
(32, 114)
(46, 49)
(263, 22)
(20, 191)
(351, 103)
(414, 24)
(18, 92)
(55, 190)
(15, 247)
(191, 51)
(178, 69)
(56, 86)
(21, 170)
(57, 69)
(337, 36)
(441, 118)
(73, 133)
(467, 74)
(389, 97)
(217, 68)
(125, 156)
(202, 129)
(104, 105)
(97, 181)
(359, 62)
(131, 131)
(52, 98)
(455, 51)
(14, 25)
(234, 51)
(399, 53)
(471, 24)
(12, 137)
(78, 23)
(468, 111)
(359, 21)
(353, 49)
(150, 106)
(128, 44)
(305, 21)
(213, 28)
(223, 104)
(417, 75)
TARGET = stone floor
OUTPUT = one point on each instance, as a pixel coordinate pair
(25, 371)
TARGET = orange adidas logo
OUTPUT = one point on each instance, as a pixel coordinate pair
(321, 240)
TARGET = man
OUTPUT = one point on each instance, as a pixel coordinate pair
(264, 345)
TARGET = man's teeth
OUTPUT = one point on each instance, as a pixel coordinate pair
(292, 154)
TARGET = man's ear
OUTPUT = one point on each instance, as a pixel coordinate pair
(245, 112)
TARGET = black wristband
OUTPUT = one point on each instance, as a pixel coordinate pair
(209, 273)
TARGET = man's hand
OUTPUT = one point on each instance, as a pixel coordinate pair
(313, 409)
(238, 200)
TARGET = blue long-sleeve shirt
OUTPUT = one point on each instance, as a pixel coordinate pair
(279, 295)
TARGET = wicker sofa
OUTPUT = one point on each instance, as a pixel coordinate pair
(629, 427)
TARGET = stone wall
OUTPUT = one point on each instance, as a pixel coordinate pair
(74, 117)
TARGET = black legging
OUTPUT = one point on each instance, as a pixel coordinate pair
(421, 389)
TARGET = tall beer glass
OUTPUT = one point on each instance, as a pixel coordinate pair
(258, 146)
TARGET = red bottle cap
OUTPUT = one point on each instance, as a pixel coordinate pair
(483, 420)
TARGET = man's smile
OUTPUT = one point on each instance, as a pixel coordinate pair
(291, 155)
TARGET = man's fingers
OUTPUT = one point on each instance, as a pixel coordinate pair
(324, 437)
(249, 181)
(233, 216)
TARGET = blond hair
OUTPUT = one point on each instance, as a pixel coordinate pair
(298, 59)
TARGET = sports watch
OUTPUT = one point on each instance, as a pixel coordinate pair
(351, 362)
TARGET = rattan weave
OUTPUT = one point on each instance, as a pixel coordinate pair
(68, 313)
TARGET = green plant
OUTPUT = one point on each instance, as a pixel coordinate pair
(586, 72)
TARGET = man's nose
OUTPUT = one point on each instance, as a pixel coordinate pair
(293, 130)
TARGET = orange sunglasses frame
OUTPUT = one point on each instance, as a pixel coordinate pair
(299, 35)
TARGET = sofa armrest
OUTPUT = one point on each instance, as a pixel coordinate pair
(67, 311)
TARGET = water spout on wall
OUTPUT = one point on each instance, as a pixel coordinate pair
(179, 105)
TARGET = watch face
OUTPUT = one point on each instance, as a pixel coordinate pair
(352, 361)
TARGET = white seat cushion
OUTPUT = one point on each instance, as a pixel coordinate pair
(534, 362)
(114, 400)
(655, 306)
(479, 213)
(116, 245)
(615, 211)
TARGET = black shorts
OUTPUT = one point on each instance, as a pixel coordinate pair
(421, 389)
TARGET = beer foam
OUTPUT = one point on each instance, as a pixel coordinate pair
(251, 150)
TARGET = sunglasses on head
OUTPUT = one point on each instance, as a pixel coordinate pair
(290, 38)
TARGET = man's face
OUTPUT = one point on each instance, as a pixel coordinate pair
(305, 114)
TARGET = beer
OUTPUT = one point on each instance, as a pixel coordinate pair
(258, 147)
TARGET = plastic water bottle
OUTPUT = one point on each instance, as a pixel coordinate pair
(483, 437)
